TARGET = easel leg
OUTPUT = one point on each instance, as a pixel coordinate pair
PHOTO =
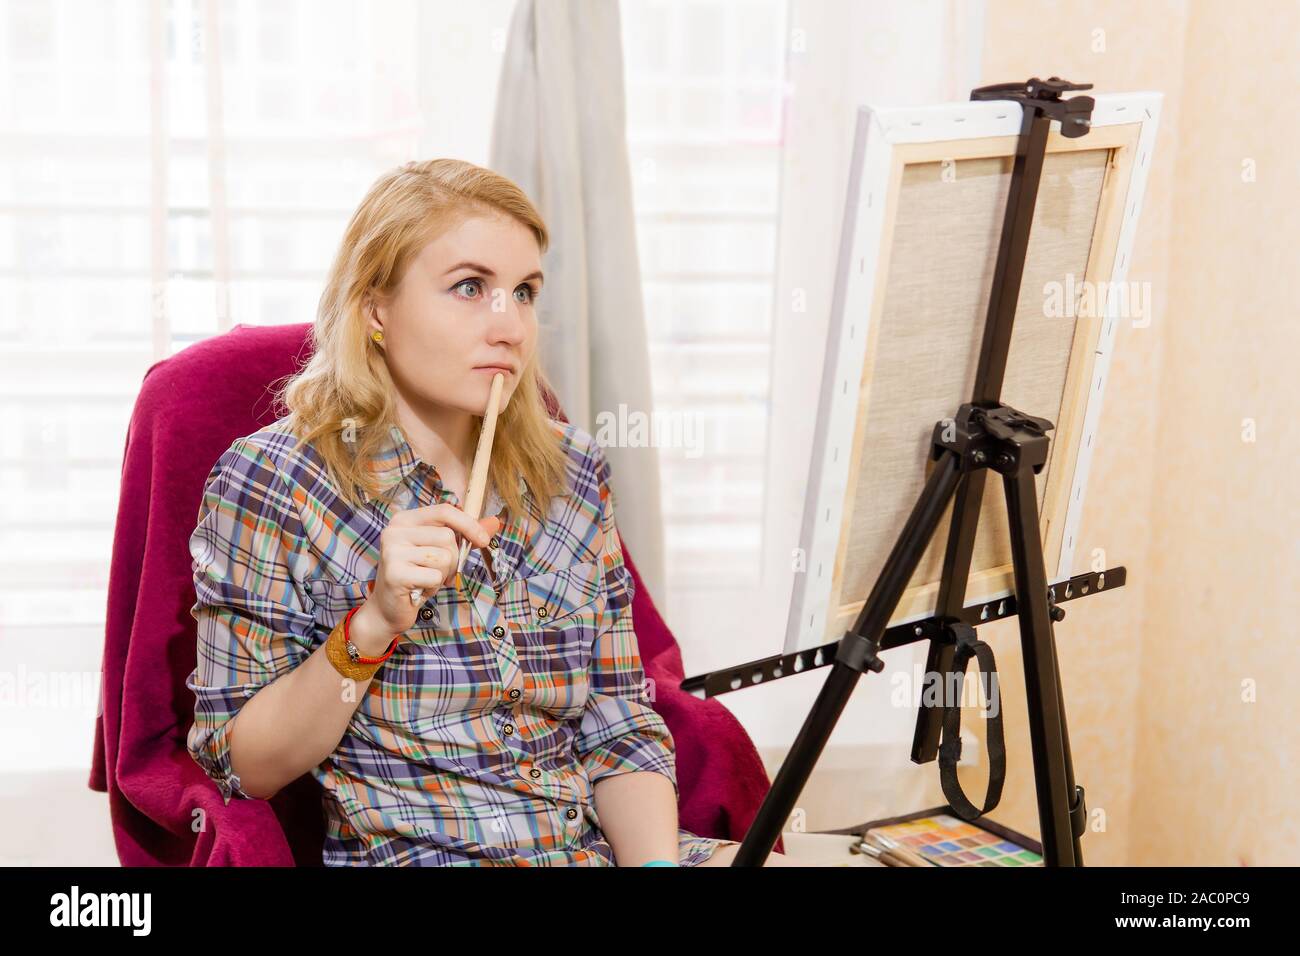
(951, 599)
(856, 652)
(1053, 769)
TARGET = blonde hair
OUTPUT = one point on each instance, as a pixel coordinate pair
(342, 400)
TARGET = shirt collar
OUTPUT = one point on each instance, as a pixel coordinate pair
(396, 459)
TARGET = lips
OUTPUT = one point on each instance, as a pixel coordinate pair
(507, 369)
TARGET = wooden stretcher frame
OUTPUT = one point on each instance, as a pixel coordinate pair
(885, 141)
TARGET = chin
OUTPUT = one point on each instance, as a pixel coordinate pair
(485, 388)
(474, 400)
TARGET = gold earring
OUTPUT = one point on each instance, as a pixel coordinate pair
(377, 337)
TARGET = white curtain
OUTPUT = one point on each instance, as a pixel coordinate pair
(560, 133)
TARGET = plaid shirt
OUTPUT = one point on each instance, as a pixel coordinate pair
(479, 741)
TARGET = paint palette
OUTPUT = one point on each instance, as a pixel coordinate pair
(945, 840)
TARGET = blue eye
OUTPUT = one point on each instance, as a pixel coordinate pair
(477, 283)
(532, 290)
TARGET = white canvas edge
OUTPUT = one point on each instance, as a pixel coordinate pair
(877, 131)
(1147, 106)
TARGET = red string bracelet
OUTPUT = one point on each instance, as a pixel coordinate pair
(367, 660)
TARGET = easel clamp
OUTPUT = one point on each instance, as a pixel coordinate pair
(999, 438)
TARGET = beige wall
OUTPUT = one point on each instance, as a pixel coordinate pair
(1185, 770)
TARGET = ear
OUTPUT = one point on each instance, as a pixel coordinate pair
(374, 312)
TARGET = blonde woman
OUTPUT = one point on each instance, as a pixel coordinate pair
(495, 719)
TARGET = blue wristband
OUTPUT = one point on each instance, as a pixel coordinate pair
(661, 863)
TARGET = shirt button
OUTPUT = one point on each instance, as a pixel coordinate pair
(514, 694)
(496, 541)
(541, 611)
(534, 773)
(571, 813)
(498, 631)
(426, 614)
(509, 729)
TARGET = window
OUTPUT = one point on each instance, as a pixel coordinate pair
(705, 94)
(173, 167)
(211, 151)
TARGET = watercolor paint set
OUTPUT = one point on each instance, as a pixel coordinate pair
(944, 840)
(940, 838)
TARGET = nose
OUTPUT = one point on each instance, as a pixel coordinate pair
(508, 326)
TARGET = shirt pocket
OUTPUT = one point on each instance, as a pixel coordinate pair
(553, 617)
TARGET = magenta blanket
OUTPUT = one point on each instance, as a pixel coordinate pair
(190, 408)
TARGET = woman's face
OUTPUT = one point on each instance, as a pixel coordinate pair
(465, 304)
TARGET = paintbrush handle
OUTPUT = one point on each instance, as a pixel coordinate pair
(478, 472)
(886, 845)
(876, 853)
(482, 458)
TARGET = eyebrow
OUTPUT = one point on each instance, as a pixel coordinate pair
(486, 271)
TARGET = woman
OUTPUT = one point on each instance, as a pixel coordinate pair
(497, 717)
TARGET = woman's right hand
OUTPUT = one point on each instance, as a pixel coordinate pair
(418, 549)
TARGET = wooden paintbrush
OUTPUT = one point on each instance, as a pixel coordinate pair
(478, 474)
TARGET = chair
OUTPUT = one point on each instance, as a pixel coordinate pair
(165, 811)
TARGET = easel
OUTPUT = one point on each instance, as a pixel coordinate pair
(984, 433)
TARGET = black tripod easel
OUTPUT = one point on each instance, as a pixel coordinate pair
(985, 433)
